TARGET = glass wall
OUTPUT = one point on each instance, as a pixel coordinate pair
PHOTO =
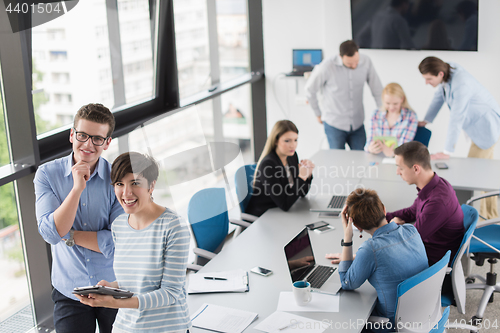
(192, 46)
(15, 297)
(232, 31)
(115, 71)
(4, 150)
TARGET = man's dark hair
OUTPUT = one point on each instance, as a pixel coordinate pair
(365, 208)
(348, 48)
(97, 113)
(435, 65)
(414, 152)
(137, 163)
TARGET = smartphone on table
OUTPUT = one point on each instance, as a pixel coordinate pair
(261, 271)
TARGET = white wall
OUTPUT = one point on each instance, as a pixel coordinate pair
(324, 24)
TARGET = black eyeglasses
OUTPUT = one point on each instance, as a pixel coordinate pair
(83, 137)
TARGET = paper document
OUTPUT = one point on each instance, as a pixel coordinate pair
(221, 319)
(319, 303)
(213, 282)
(389, 160)
(287, 322)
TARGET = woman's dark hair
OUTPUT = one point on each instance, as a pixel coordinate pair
(133, 162)
(365, 208)
(433, 66)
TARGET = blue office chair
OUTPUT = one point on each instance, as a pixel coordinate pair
(243, 180)
(457, 296)
(423, 135)
(209, 223)
(419, 301)
(485, 244)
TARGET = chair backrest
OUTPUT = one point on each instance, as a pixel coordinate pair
(418, 306)
(208, 218)
(457, 273)
(243, 180)
(441, 325)
(423, 135)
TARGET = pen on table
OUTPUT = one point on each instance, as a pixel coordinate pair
(282, 328)
(214, 278)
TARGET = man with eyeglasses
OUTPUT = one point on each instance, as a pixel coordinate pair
(75, 206)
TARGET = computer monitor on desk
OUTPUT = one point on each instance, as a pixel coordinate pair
(304, 61)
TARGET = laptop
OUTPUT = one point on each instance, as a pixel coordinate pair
(335, 205)
(302, 265)
(304, 61)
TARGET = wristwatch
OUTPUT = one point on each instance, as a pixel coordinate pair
(345, 244)
(71, 241)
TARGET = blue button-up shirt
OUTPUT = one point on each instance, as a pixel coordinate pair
(392, 255)
(472, 108)
(77, 266)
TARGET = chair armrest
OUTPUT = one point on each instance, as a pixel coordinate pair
(249, 217)
(194, 267)
(482, 196)
(240, 223)
(204, 253)
(377, 319)
(487, 222)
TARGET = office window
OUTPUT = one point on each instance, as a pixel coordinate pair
(192, 46)
(137, 49)
(82, 45)
(171, 140)
(4, 150)
(232, 30)
(237, 120)
(15, 298)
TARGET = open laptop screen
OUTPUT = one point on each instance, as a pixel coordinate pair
(306, 59)
(299, 256)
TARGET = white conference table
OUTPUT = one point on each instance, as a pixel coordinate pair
(262, 244)
(466, 175)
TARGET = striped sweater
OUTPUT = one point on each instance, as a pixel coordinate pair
(151, 263)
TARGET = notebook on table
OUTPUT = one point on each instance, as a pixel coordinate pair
(302, 266)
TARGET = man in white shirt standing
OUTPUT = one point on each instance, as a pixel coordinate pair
(339, 107)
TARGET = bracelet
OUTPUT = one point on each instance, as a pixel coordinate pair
(345, 244)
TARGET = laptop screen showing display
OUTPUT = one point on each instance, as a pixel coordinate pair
(306, 59)
(299, 256)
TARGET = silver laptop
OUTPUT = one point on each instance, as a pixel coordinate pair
(302, 266)
(335, 205)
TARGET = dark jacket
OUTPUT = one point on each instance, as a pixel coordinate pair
(272, 188)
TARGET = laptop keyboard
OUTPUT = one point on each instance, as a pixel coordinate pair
(319, 276)
(337, 201)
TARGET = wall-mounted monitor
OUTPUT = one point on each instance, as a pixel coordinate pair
(415, 24)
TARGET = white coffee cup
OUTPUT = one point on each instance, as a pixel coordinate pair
(302, 292)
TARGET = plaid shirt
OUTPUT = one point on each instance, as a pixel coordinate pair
(404, 129)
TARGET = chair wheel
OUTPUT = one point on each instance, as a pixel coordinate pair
(470, 280)
(491, 298)
(476, 320)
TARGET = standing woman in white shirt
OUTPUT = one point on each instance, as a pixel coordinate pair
(472, 109)
(151, 253)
